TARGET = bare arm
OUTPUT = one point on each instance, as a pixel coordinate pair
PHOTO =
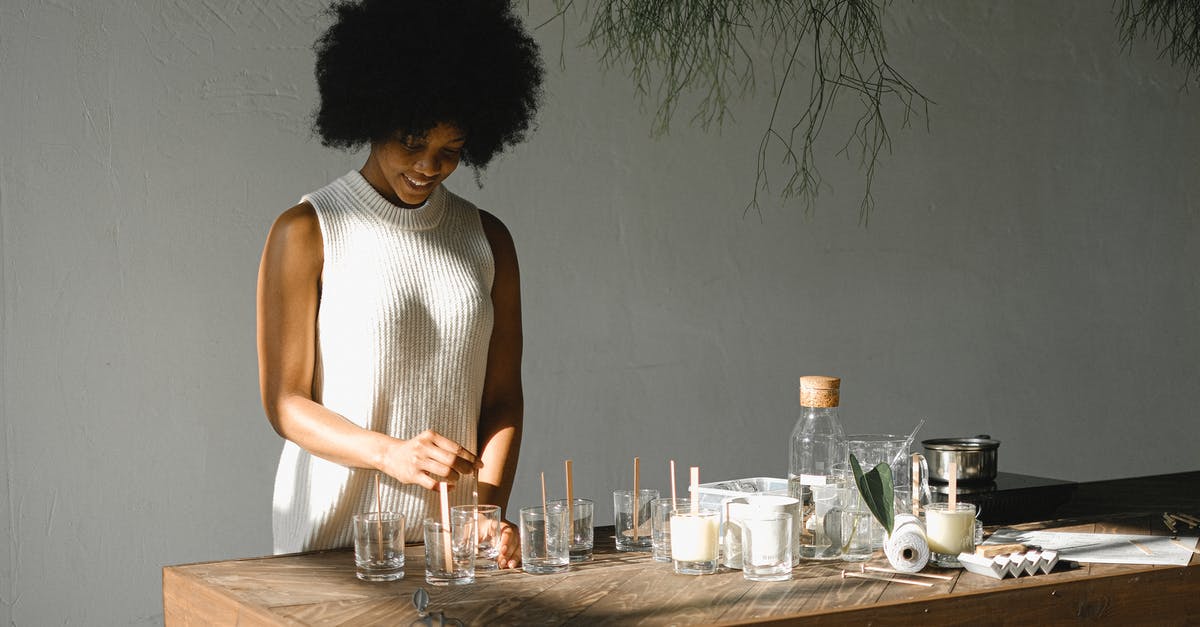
(503, 408)
(288, 280)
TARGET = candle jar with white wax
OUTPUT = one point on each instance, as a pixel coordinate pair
(766, 545)
(951, 530)
(694, 540)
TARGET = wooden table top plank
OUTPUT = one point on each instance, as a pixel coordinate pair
(654, 594)
(320, 588)
(389, 611)
(804, 591)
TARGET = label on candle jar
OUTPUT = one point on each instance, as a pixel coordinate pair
(693, 538)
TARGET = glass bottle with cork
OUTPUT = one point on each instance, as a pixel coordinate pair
(818, 459)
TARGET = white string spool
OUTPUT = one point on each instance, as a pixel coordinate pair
(907, 549)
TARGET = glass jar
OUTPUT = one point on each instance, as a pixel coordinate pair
(818, 448)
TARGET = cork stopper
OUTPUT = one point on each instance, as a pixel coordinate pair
(819, 391)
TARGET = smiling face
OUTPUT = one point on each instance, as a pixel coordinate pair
(406, 170)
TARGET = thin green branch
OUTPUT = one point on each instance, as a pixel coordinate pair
(674, 50)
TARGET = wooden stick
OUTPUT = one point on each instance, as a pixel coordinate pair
(896, 572)
(888, 579)
(952, 472)
(570, 498)
(916, 484)
(447, 551)
(379, 515)
(545, 518)
(1184, 546)
(637, 501)
(673, 495)
(695, 489)
(1192, 521)
(992, 550)
(1141, 547)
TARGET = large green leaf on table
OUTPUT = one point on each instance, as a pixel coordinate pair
(877, 491)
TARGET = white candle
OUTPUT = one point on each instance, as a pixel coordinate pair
(767, 542)
(951, 532)
(693, 537)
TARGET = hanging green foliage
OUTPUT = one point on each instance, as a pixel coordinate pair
(828, 51)
(1174, 25)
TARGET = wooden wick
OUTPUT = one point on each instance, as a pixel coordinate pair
(1141, 547)
(695, 489)
(570, 497)
(888, 579)
(952, 472)
(916, 484)
(545, 519)
(673, 495)
(447, 550)
(896, 572)
(379, 516)
(637, 500)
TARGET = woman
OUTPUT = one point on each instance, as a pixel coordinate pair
(389, 325)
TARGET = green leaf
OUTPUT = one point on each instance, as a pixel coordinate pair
(877, 491)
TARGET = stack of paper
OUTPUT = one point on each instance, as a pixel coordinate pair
(1105, 548)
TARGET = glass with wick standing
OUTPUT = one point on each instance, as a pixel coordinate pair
(818, 445)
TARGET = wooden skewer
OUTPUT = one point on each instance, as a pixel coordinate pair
(916, 483)
(545, 519)
(888, 579)
(570, 497)
(896, 572)
(447, 551)
(379, 516)
(637, 501)
(695, 489)
(952, 473)
(673, 495)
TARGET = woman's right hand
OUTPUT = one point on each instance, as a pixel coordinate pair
(428, 458)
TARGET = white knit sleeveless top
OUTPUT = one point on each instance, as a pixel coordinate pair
(403, 326)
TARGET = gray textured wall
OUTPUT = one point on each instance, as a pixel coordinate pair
(1030, 272)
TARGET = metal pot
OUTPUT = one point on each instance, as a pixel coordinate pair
(976, 458)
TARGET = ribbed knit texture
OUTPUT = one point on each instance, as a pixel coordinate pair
(403, 326)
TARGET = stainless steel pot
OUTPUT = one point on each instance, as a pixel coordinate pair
(976, 457)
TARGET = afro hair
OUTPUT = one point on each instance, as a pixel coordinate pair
(397, 68)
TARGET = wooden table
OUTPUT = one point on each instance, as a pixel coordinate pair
(629, 588)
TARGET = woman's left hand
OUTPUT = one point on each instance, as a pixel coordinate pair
(510, 546)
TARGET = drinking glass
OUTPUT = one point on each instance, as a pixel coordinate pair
(545, 539)
(487, 533)
(582, 516)
(450, 553)
(660, 528)
(766, 545)
(379, 546)
(694, 540)
(950, 532)
(631, 517)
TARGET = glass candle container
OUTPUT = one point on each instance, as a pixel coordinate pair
(950, 532)
(694, 540)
